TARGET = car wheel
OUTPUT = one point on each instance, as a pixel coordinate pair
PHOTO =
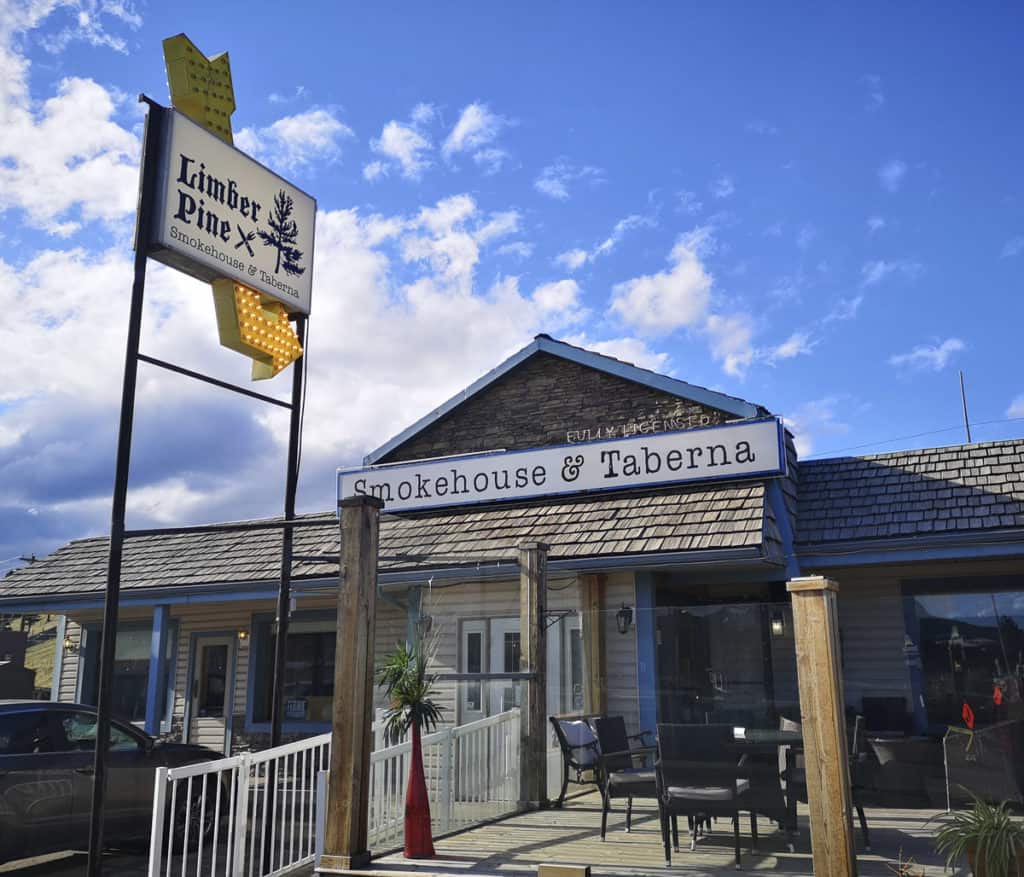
(189, 813)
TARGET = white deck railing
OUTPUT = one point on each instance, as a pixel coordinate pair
(260, 814)
(472, 774)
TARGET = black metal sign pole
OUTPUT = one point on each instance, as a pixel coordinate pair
(150, 152)
(284, 592)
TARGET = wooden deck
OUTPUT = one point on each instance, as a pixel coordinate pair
(515, 846)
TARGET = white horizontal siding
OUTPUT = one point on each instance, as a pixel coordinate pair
(872, 628)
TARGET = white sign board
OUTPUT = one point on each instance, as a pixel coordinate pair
(740, 450)
(219, 214)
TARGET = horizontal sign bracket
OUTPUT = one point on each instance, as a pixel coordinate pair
(224, 385)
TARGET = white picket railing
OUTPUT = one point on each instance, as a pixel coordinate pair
(251, 815)
(260, 814)
(472, 774)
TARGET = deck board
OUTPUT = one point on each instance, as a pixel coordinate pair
(571, 835)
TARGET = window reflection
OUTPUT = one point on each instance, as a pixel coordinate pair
(972, 652)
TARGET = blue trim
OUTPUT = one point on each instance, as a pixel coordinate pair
(229, 700)
(811, 562)
(58, 658)
(646, 646)
(544, 344)
(777, 502)
(256, 646)
(779, 471)
(157, 669)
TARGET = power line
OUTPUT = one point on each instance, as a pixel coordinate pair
(904, 438)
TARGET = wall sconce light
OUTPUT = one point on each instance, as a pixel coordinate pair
(423, 625)
(243, 636)
(624, 618)
(778, 624)
(70, 645)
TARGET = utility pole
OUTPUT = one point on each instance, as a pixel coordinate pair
(963, 399)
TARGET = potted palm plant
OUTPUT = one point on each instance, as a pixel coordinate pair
(989, 838)
(410, 693)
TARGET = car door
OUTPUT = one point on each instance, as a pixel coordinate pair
(35, 787)
(130, 771)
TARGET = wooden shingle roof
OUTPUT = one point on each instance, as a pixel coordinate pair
(702, 518)
(961, 488)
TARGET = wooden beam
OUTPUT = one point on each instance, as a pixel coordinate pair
(345, 830)
(823, 724)
(533, 582)
(596, 697)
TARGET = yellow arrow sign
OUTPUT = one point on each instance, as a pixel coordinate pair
(256, 326)
(200, 87)
(251, 323)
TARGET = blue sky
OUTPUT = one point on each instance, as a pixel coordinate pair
(819, 209)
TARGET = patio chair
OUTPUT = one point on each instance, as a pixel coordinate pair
(699, 775)
(578, 743)
(792, 769)
(620, 776)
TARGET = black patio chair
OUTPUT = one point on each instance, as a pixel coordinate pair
(620, 774)
(699, 775)
(578, 743)
(793, 771)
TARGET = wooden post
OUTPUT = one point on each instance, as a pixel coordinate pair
(823, 725)
(596, 697)
(345, 829)
(533, 581)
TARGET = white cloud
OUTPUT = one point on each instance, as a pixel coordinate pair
(760, 126)
(875, 95)
(1016, 408)
(374, 170)
(276, 98)
(813, 420)
(773, 231)
(522, 249)
(474, 133)
(423, 113)
(500, 225)
(295, 142)
(799, 343)
(688, 202)
(632, 350)
(402, 145)
(572, 259)
(731, 341)
(875, 224)
(722, 187)
(805, 237)
(1013, 247)
(68, 163)
(577, 258)
(678, 297)
(844, 309)
(490, 160)
(876, 271)
(555, 179)
(925, 357)
(891, 174)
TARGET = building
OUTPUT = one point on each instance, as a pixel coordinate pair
(666, 601)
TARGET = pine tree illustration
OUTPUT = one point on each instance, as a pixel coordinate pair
(285, 232)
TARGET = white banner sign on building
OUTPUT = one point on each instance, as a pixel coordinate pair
(219, 214)
(741, 450)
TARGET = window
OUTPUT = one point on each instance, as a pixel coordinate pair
(972, 653)
(24, 733)
(80, 734)
(309, 670)
(131, 671)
